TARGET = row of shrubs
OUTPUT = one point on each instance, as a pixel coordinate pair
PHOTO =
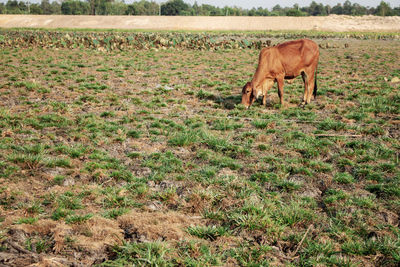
(147, 40)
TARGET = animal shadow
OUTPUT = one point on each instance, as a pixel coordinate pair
(228, 102)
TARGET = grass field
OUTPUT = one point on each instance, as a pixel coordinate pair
(146, 157)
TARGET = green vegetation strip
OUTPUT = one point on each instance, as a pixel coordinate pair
(123, 40)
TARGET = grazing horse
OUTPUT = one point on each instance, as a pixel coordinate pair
(284, 61)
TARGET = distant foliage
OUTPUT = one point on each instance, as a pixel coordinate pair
(74, 7)
(181, 8)
(175, 8)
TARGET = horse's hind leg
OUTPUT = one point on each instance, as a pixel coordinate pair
(310, 76)
(280, 81)
(310, 86)
(305, 95)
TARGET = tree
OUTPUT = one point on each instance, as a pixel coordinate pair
(75, 7)
(101, 7)
(35, 9)
(131, 10)
(262, 12)
(152, 8)
(209, 10)
(338, 9)
(195, 10)
(277, 8)
(347, 8)
(293, 12)
(174, 8)
(383, 9)
(56, 7)
(277, 11)
(144, 8)
(328, 9)
(215, 11)
(396, 11)
(115, 8)
(316, 9)
(15, 7)
(92, 4)
(2, 8)
(46, 7)
(179, 7)
(358, 10)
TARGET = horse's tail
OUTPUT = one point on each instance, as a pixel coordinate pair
(315, 84)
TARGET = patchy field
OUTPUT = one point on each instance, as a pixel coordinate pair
(146, 157)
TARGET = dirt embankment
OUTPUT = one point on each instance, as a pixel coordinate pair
(330, 23)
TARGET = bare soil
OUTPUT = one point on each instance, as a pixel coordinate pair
(75, 122)
(330, 23)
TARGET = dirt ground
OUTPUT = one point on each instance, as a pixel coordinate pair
(330, 23)
(125, 157)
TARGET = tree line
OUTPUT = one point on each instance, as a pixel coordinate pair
(180, 8)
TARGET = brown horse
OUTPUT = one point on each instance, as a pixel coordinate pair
(284, 61)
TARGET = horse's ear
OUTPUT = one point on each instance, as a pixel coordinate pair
(245, 87)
